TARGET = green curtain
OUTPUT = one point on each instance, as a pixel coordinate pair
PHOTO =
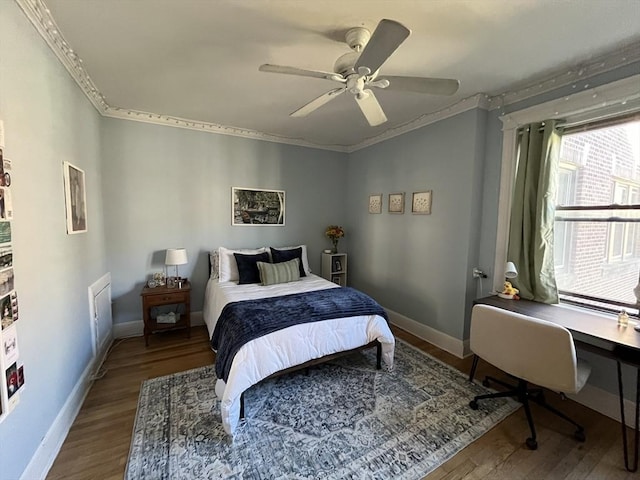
(533, 212)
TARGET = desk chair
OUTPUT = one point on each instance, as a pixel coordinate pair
(530, 350)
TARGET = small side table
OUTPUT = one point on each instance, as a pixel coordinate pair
(159, 296)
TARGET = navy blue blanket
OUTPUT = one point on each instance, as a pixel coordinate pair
(241, 322)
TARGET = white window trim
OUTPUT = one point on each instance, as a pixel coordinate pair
(616, 98)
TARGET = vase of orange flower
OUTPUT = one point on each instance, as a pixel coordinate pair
(334, 233)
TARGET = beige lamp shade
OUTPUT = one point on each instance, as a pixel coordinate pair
(176, 256)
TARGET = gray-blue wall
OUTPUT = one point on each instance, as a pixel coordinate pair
(168, 187)
(47, 120)
(418, 265)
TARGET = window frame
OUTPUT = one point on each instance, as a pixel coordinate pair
(613, 99)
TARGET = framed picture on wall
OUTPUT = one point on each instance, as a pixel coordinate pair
(421, 203)
(396, 203)
(75, 198)
(257, 207)
(375, 203)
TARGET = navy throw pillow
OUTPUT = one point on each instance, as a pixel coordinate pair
(280, 256)
(247, 266)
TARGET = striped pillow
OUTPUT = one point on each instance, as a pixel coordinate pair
(283, 272)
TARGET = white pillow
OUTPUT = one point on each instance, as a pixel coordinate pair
(305, 261)
(214, 269)
(227, 266)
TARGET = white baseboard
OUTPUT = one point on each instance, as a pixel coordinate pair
(49, 448)
(606, 403)
(136, 328)
(456, 347)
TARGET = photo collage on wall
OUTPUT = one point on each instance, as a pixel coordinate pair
(10, 365)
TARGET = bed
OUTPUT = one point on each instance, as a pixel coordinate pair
(288, 347)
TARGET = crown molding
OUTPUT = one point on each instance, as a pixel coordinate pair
(615, 98)
(40, 16)
(572, 75)
(147, 117)
(476, 101)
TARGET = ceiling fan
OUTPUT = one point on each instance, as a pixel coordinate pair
(358, 72)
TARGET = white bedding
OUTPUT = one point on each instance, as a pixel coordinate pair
(292, 346)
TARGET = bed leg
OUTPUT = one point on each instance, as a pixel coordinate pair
(379, 356)
(242, 406)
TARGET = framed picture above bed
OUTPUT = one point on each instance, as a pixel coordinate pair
(257, 207)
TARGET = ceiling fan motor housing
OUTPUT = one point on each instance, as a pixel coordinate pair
(357, 38)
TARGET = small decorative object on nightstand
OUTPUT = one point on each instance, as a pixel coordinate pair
(334, 268)
(334, 233)
(155, 320)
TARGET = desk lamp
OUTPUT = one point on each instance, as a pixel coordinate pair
(176, 256)
(509, 272)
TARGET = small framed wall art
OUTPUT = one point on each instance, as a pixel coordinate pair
(421, 203)
(396, 202)
(75, 199)
(375, 203)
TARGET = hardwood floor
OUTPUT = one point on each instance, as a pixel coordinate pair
(98, 443)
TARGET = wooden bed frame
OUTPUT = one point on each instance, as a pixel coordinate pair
(318, 361)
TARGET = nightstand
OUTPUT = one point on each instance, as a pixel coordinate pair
(334, 268)
(152, 298)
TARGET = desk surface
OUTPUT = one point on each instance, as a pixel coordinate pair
(624, 341)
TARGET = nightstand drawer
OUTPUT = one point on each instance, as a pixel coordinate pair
(166, 298)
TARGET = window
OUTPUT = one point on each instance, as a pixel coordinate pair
(596, 232)
(563, 230)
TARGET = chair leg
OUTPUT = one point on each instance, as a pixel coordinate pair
(524, 395)
(474, 403)
(531, 442)
(487, 379)
(579, 434)
(474, 366)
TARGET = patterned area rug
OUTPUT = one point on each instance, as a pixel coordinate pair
(341, 420)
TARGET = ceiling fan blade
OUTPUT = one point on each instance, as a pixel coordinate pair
(317, 103)
(386, 38)
(336, 77)
(432, 86)
(370, 107)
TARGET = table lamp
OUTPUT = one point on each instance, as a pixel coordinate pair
(175, 256)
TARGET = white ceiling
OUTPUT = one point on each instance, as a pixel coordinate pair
(197, 60)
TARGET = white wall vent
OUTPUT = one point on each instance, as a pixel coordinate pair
(101, 319)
